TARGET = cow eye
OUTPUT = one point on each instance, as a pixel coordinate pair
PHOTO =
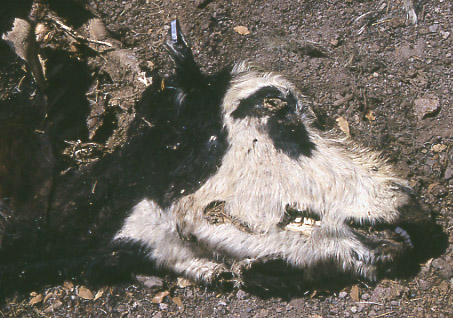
(274, 104)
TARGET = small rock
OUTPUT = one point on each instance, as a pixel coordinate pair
(426, 106)
(263, 313)
(354, 309)
(365, 296)
(342, 294)
(163, 306)
(448, 174)
(150, 281)
(444, 268)
(433, 28)
(424, 285)
(297, 303)
(380, 293)
(394, 303)
(241, 294)
(445, 35)
(444, 287)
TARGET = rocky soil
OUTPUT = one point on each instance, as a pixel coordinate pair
(366, 66)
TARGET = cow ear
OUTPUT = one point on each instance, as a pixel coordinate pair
(187, 71)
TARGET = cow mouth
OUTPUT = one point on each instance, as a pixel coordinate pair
(389, 238)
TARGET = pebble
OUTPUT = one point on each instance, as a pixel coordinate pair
(433, 28)
(263, 313)
(445, 35)
(424, 285)
(342, 294)
(150, 281)
(242, 294)
(425, 106)
(448, 174)
(445, 270)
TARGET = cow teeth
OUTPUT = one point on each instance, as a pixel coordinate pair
(302, 224)
(404, 235)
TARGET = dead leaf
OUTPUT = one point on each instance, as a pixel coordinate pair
(242, 30)
(36, 299)
(68, 285)
(439, 148)
(85, 293)
(344, 125)
(49, 295)
(355, 293)
(183, 283)
(334, 42)
(178, 303)
(56, 305)
(432, 186)
(100, 293)
(370, 115)
(159, 297)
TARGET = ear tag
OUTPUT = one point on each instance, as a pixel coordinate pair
(174, 31)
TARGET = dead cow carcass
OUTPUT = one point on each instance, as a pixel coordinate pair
(269, 186)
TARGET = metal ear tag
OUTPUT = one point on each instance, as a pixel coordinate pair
(174, 31)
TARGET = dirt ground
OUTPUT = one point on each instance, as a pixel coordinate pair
(360, 62)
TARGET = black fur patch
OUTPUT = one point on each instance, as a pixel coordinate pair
(284, 125)
(186, 141)
(289, 135)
